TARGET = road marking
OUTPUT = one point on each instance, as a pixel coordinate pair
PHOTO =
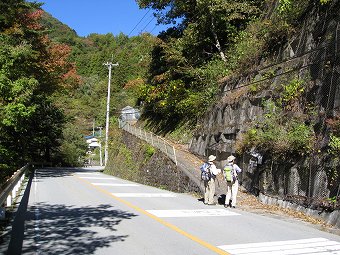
(192, 213)
(291, 247)
(98, 178)
(144, 194)
(88, 173)
(163, 222)
(114, 184)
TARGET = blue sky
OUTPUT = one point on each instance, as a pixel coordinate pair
(103, 16)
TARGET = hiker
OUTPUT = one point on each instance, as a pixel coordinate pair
(231, 171)
(209, 185)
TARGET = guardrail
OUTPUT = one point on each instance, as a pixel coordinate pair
(10, 189)
(151, 138)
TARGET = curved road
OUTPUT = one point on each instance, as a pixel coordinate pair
(83, 211)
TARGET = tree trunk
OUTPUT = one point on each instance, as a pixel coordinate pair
(218, 45)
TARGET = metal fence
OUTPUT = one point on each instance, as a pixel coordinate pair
(151, 138)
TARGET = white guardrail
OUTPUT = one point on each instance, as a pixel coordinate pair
(9, 190)
(151, 138)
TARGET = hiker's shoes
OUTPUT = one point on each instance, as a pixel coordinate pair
(231, 206)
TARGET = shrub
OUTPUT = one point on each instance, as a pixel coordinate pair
(277, 134)
(334, 145)
(292, 91)
(148, 151)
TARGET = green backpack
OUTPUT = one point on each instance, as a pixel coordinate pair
(228, 173)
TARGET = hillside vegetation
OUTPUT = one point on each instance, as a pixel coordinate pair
(53, 83)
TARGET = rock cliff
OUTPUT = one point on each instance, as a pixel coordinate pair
(312, 55)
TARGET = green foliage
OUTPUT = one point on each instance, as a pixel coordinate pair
(32, 69)
(248, 47)
(183, 134)
(292, 91)
(5, 173)
(187, 64)
(88, 101)
(288, 6)
(292, 10)
(279, 135)
(149, 151)
(122, 162)
(59, 32)
(175, 76)
(333, 199)
(334, 145)
(168, 99)
(73, 146)
(190, 59)
(300, 137)
(257, 41)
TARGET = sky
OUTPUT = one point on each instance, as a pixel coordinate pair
(103, 16)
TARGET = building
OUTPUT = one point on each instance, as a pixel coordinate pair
(129, 114)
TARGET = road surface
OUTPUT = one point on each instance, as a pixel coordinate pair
(83, 211)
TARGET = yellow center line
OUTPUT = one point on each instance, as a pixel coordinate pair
(163, 222)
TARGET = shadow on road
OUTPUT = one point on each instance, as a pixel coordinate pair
(61, 229)
(61, 172)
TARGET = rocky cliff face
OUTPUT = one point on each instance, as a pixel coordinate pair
(312, 55)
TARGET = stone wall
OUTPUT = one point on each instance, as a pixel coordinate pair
(313, 55)
(130, 161)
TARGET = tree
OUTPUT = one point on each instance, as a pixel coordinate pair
(191, 56)
(32, 68)
(207, 26)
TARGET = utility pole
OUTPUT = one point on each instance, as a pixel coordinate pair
(93, 127)
(100, 146)
(109, 65)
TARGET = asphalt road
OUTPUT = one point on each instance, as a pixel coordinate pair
(83, 211)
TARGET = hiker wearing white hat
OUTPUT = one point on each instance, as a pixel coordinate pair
(209, 185)
(231, 171)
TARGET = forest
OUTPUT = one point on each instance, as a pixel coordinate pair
(53, 83)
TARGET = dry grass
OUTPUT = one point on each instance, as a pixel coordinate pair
(250, 203)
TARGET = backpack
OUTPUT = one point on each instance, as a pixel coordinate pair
(228, 173)
(205, 172)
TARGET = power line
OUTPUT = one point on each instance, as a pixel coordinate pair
(190, 21)
(148, 24)
(139, 22)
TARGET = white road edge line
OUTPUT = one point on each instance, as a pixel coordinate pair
(192, 213)
(148, 195)
(98, 178)
(115, 184)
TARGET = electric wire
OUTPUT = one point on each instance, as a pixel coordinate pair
(258, 70)
(147, 24)
(191, 19)
(139, 22)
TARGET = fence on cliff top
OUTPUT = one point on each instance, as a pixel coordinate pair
(150, 138)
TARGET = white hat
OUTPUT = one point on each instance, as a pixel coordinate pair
(231, 158)
(211, 158)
